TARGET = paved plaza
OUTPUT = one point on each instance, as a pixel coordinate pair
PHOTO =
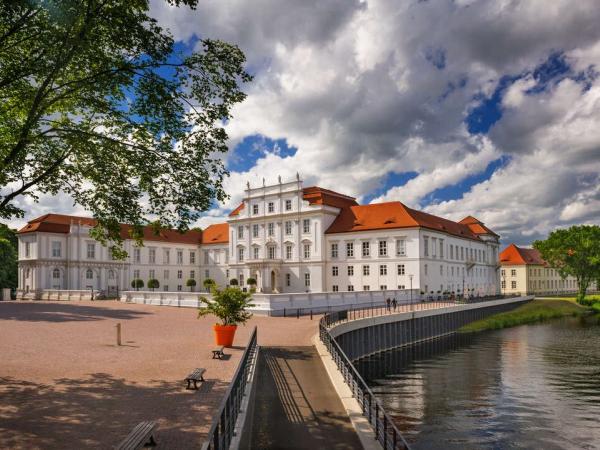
(65, 383)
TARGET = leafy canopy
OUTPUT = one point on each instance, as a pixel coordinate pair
(8, 257)
(574, 251)
(229, 305)
(97, 101)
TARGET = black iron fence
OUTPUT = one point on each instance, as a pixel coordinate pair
(222, 430)
(386, 432)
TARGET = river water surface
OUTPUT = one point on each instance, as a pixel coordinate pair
(528, 387)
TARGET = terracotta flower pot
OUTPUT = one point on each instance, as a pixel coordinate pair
(224, 334)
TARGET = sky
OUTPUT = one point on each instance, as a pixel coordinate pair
(463, 107)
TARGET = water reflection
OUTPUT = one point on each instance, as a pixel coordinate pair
(534, 387)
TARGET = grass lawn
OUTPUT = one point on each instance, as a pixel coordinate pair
(534, 311)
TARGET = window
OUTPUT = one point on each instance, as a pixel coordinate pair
(307, 279)
(334, 288)
(179, 274)
(166, 256)
(334, 250)
(306, 251)
(56, 249)
(217, 256)
(350, 288)
(166, 275)
(56, 274)
(306, 226)
(383, 269)
(462, 253)
(166, 288)
(272, 252)
(255, 230)
(382, 248)
(366, 270)
(89, 275)
(401, 287)
(441, 270)
(451, 251)
(179, 287)
(180, 257)
(192, 257)
(366, 249)
(513, 272)
(240, 254)
(91, 250)
(255, 252)
(137, 255)
(240, 232)
(503, 284)
(205, 257)
(192, 274)
(207, 273)
(241, 279)
(366, 288)
(334, 271)
(350, 249)
(271, 229)
(111, 275)
(441, 248)
(426, 246)
(152, 256)
(254, 209)
(288, 279)
(271, 207)
(401, 247)
(503, 272)
(383, 287)
(350, 271)
(288, 227)
(288, 205)
(136, 274)
(513, 284)
(288, 252)
(401, 269)
(425, 269)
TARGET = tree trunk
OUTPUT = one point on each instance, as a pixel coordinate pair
(582, 289)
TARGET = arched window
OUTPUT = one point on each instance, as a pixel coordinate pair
(89, 274)
(111, 275)
(56, 274)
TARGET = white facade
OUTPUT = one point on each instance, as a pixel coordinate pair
(278, 236)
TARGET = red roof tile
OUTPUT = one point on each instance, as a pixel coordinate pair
(216, 234)
(513, 255)
(477, 226)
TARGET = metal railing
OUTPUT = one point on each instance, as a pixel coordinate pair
(222, 430)
(386, 432)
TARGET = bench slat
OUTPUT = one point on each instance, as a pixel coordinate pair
(139, 436)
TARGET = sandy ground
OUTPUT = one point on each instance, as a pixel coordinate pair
(64, 383)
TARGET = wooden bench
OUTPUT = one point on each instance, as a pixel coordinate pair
(218, 353)
(141, 436)
(195, 376)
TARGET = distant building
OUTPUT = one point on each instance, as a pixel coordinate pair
(287, 237)
(524, 271)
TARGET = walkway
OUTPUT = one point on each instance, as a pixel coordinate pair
(296, 405)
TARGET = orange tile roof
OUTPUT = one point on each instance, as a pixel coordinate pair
(378, 216)
(477, 226)
(315, 195)
(216, 234)
(61, 223)
(518, 256)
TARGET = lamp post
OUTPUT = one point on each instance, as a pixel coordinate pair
(410, 277)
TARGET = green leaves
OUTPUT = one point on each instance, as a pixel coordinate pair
(228, 304)
(96, 103)
(8, 257)
(574, 251)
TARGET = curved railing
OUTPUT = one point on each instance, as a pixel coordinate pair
(222, 430)
(385, 430)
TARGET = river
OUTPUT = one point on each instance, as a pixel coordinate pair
(528, 387)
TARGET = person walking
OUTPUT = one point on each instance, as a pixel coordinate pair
(394, 303)
(388, 302)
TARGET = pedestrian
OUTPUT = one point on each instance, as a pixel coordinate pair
(388, 302)
(394, 303)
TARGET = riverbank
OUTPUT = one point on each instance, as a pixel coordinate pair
(534, 311)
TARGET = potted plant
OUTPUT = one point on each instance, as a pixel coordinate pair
(252, 283)
(233, 282)
(137, 284)
(153, 283)
(230, 306)
(208, 284)
(190, 283)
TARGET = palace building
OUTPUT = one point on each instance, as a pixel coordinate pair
(289, 238)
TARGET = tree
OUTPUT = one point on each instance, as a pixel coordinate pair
(208, 283)
(574, 251)
(251, 281)
(233, 282)
(97, 102)
(153, 283)
(229, 305)
(136, 283)
(190, 283)
(8, 257)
